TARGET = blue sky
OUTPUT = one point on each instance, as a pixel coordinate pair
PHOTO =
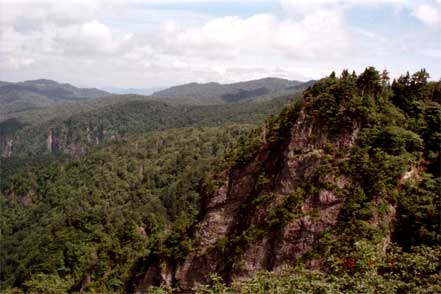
(218, 8)
(150, 43)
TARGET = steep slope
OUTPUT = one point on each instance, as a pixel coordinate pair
(16, 97)
(249, 90)
(329, 178)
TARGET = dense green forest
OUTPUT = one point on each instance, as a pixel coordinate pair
(95, 223)
(388, 235)
(87, 126)
(94, 217)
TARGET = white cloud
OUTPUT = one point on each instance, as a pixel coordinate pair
(321, 34)
(429, 15)
(31, 14)
(127, 44)
(14, 62)
(89, 38)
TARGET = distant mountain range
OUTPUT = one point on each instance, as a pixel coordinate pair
(43, 93)
(249, 90)
(15, 97)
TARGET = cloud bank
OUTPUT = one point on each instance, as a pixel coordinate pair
(139, 43)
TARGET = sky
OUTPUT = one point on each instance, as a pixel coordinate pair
(159, 43)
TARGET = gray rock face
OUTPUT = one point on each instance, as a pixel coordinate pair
(289, 165)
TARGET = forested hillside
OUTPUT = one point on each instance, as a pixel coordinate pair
(17, 97)
(256, 90)
(87, 126)
(87, 223)
(338, 193)
(73, 119)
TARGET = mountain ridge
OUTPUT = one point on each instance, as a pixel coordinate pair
(40, 93)
(238, 91)
(329, 177)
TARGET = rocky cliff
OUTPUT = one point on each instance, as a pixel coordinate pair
(63, 139)
(278, 224)
(45, 139)
(298, 191)
(266, 214)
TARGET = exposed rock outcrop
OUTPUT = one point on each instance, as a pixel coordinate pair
(8, 149)
(68, 139)
(50, 141)
(265, 214)
(63, 140)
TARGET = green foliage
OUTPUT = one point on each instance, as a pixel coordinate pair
(83, 127)
(416, 272)
(419, 213)
(278, 127)
(97, 216)
(396, 123)
(368, 82)
(395, 140)
(273, 133)
(256, 90)
(22, 96)
(397, 129)
(244, 150)
(336, 105)
(105, 217)
(50, 284)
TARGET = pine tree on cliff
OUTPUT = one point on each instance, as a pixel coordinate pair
(369, 82)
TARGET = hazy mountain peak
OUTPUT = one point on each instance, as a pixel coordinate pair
(246, 90)
(41, 93)
(41, 82)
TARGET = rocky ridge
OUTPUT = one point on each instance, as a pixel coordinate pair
(295, 193)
